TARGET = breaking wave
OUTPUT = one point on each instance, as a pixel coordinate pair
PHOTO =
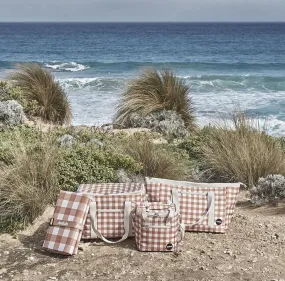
(66, 66)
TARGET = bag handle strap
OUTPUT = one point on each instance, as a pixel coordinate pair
(210, 211)
(175, 199)
(182, 231)
(127, 223)
(210, 207)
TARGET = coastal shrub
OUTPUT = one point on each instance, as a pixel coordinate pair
(8, 92)
(268, 189)
(154, 91)
(88, 164)
(40, 89)
(4, 91)
(19, 138)
(156, 161)
(193, 143)
(28, 181)
(241, 151)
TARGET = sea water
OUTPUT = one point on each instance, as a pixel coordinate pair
(226, 65)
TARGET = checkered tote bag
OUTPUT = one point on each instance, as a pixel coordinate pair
(111, 209)
(157, 227)
(66, 226)
(204, 207)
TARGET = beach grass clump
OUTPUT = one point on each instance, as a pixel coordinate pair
(240, 150)
(39, 87)
(28, 180)
(152, 92)
(157, 161)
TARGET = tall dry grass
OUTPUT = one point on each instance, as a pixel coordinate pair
(29, 182)
(39, 86)
(240, 150)
(154, 91)
(156, 161)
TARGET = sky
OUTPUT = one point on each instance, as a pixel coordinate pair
(142, 10)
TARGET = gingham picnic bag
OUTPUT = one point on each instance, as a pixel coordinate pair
(67, 223)
(157, 227)
(111, 209)
(204, 207)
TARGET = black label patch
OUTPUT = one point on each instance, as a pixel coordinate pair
(219, 221)
(169, 247)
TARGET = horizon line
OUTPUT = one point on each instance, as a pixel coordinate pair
(144, 22)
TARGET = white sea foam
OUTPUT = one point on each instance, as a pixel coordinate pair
(66, 66)
(94, 99)
(94, 83)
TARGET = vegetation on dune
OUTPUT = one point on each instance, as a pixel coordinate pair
(241, 151)
(89, 164)
(269, 189)
(41, 93)
(35, 165)
(28, 180)
(156, 161)
(154, 91)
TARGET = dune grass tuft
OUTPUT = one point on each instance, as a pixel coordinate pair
(28, 182)
(240, 150)
(156, 161)
(38, 85)
(154, 91)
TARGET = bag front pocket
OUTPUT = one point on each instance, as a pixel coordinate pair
(197, 208)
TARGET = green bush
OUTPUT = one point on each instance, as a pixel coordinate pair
(193, 144)
(8, 92)
(87, 164)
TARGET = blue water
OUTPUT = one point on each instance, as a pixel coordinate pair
(226, 65)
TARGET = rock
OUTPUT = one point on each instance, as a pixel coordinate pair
(165, 121)
(26, 272)
(224, 267)
(6, 252)
(52, 278)
(66, 140)
(12, 113)
(3, 271)
(125, 177)
(202, 267)
(160, 141)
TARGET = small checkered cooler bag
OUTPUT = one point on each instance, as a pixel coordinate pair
(67, 223)
(111, 209)
(157, 227)
(204, 207)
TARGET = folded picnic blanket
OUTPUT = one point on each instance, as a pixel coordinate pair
(67, 223)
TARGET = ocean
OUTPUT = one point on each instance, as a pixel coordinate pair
(227, 65)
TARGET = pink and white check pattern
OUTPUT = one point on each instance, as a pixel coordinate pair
(152, 234)
(110, 188)
(110, 202)
(70, 207)
(193, 203)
